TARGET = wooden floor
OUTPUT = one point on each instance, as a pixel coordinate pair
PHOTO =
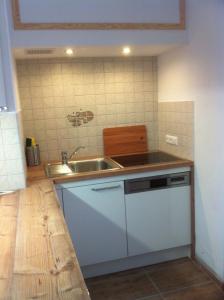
(177, 280)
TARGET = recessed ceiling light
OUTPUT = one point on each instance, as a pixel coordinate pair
(126, 50)
(69, 51)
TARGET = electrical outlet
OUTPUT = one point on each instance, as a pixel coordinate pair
(173, 140)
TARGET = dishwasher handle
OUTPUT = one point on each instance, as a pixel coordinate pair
(113, 187)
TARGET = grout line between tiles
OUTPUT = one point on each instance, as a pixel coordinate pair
(186, 288)
(154, 284)
(161, 293)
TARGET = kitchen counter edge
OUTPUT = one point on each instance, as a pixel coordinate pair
(38, 173)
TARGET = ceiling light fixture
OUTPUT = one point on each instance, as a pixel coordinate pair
(69, 51)
(126, 50)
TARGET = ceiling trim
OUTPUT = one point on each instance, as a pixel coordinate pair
(19, 25)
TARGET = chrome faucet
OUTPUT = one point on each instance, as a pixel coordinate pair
(64, 157)
(74, 153)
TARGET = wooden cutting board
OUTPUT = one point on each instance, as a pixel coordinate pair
(125, 140)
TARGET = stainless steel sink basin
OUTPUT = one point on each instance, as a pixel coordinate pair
(57, 169)
(93, 165)
(80, 166)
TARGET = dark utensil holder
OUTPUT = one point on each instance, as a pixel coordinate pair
(33, 156)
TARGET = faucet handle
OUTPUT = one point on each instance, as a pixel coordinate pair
(64, 157)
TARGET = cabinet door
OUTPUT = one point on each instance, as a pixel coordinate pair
(95, 216)
(158, 220)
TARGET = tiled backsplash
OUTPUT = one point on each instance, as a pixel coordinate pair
(119, 91)
(12, 171)
(177, 118)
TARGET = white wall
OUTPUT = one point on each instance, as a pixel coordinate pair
(196, 72)
(62, 38)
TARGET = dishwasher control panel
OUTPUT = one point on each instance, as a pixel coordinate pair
(139, 185)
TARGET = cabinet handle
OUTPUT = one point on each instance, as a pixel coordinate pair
(106, 188)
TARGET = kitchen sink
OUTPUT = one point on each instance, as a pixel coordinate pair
(57, 169)
(80, 166)
(92, 165)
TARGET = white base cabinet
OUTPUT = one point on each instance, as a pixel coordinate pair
(95, 215)
(109, 227)
(158, 220)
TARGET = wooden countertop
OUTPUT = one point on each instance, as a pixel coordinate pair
(37, 258)
(37, 173)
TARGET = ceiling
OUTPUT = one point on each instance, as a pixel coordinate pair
(92, 51)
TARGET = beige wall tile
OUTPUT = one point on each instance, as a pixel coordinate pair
(176, 118)
(12, 171)
(118, 91)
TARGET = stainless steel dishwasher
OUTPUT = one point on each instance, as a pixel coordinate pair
(158, 213)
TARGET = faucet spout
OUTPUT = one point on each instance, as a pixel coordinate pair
(74, 153)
